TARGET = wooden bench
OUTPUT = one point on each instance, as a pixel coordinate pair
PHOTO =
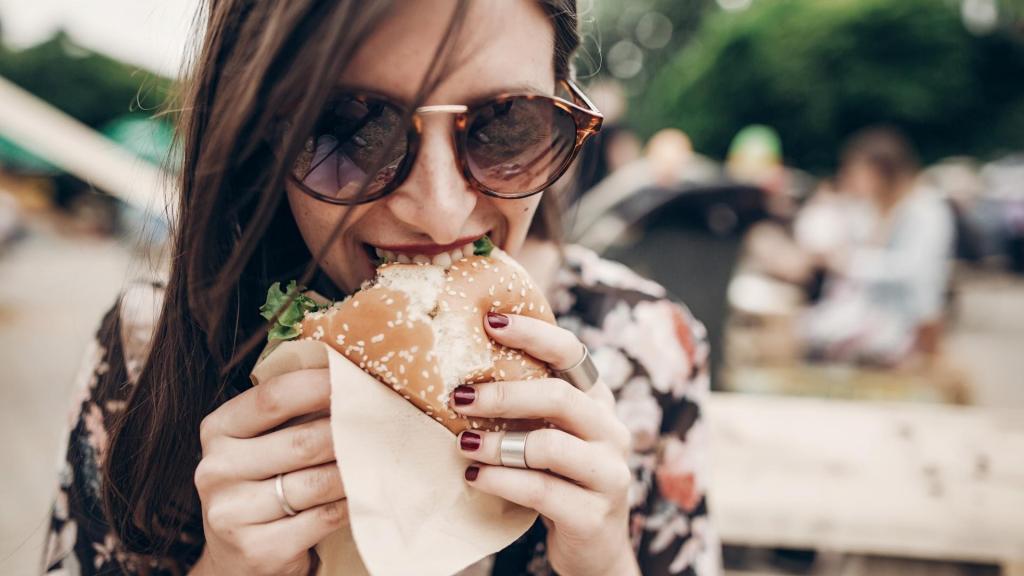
(910, 480)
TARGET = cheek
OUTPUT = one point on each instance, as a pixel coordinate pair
(316, 221)
(309, 220)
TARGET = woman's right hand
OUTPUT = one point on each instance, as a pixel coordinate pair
(246, 443)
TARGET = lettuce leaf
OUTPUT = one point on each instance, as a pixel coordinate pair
(287, 326)
(483, 246)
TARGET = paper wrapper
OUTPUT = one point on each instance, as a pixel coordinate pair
(410, 509)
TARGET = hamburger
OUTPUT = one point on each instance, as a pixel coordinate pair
(418, 328)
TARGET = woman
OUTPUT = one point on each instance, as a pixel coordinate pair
(885, 295)
(173, 458)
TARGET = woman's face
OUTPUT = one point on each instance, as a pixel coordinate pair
(504, 46)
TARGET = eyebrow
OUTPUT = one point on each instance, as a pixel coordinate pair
(519, 88)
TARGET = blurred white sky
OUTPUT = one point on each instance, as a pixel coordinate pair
(150, 33)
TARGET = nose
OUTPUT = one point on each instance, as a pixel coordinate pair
(435, 199)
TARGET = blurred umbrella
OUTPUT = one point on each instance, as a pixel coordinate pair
(17, 159)
(148, 138)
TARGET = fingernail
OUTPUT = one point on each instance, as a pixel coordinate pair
(464, 395)
(496, 320)
(469, 441)
(472, 472)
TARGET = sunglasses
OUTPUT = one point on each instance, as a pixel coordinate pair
(507, 146)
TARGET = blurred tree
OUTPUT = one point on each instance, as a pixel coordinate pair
(630, 40)
(817, 71)
(90, 87)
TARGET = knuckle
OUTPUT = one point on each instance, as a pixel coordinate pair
(536, 494)
(206, 475)
(595, 519)
(218, 518)
(330, 514)
(253, 552)
(321, 481)
(309, 441)
(550, 444)
(500, 396)
(623, 438)
(565, 395)
(208, 427)
(269, 398)
(623, 478)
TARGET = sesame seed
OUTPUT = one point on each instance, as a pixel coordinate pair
(390, 301)
(377, 339)
(344, 326)
(509, 287)
(425, 374)
(355, 303)
(496, 303)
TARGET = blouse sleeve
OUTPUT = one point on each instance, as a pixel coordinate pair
(80, 540)
(655, 360)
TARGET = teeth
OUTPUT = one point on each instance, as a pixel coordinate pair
(443, 259)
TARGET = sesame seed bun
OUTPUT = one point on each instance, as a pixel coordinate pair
(418, 328)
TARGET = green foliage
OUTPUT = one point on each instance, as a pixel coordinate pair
(90, 87)
(817, 71)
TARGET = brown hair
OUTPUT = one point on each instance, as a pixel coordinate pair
(887, 150)
(234, 236)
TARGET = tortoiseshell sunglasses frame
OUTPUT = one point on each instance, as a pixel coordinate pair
(585, 115)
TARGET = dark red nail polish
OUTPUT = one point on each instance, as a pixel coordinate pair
(472, 472)
(496, 320)
(469, 441)
(464, 395)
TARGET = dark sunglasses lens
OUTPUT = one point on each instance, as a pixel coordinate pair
(518, 145)
(354, 140)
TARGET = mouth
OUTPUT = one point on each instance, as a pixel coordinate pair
(437, 255)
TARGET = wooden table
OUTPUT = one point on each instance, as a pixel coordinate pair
(928, 481)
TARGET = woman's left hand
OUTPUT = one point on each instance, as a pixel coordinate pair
(578, 476)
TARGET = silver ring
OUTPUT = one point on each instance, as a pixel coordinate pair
(279, 489)
(583, 374)
(513, 449)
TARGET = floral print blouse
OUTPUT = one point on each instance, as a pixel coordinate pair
(650, 351)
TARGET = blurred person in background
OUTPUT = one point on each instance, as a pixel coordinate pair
(885, 293)
(755, 157)
(297, 163)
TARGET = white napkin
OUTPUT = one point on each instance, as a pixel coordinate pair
(410, 510)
